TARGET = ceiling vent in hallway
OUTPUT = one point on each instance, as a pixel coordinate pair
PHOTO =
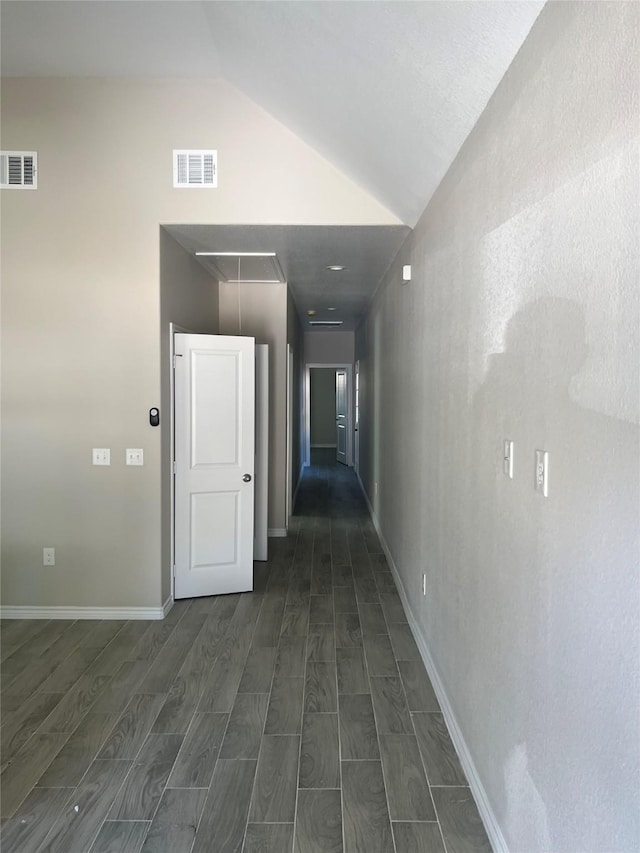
(19, 170)
(195, 169)
(325, 322)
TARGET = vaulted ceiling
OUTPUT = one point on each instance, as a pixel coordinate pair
(387, 91)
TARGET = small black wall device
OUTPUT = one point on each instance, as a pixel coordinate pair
(154, 417)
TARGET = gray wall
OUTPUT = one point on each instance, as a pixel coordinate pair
(295, 339)
(322, 397)
(81, 357)
(329, 347)
(260, 311)
(521, 322)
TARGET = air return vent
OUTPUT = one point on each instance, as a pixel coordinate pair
(195, 169)
(19, 170)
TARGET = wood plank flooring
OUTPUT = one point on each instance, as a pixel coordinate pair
(294, 719)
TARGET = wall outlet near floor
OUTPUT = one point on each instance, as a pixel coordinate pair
(424, 584)
(48, 556)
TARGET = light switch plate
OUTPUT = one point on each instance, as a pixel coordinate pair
(135, 456)
(101, 456)
(508, 458)
(542, 472)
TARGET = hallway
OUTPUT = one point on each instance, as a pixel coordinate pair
(297, 717)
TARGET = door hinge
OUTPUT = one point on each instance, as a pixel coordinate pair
(174, 466)
(175, 356)
(174, 571)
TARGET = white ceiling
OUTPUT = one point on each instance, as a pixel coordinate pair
(387, 91)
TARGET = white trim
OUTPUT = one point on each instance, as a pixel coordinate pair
(261, 477)
(10, 611)
(289, 474)
(174, 329)
(491, 825)
(277, 532)
(324, 445)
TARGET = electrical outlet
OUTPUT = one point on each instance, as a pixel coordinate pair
(424, 584)
(48, 556)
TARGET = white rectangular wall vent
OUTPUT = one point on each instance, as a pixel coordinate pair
(19, 170)
(195, 169)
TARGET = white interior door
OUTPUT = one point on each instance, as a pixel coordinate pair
(214, 449)
(341, 416)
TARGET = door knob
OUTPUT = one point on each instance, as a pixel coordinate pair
(246, 478)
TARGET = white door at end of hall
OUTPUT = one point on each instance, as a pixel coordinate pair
(341, 416)
(214, 464)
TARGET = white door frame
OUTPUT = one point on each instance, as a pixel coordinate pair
(289, 485)
(307, 408)
(174, 329)
(261, 512)
(356, 426)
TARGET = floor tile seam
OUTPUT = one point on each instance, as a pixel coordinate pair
(186, 788)
(207, 671)
(72, 795)
(342, 805)
(12, 621)
(150, 731)
(415, 735)
(127, 820)
(7, 688)
(262, 737)
(43, 625)
(378, 733)
(41, 731)
(133, 764)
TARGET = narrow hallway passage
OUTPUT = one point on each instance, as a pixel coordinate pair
(297, 718)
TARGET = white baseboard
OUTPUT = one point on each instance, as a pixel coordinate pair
(10, 611)
(277, 532)
(489, 820)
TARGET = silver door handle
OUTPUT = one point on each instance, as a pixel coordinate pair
(246, 478)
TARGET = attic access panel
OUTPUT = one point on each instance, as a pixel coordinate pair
(236, 267)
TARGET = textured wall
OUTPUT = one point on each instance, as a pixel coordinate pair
(260, 310)
(329, 347)
(81, 308)
(295, 339)
(521, 322)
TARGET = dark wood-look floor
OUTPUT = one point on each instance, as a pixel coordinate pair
(294, 719)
